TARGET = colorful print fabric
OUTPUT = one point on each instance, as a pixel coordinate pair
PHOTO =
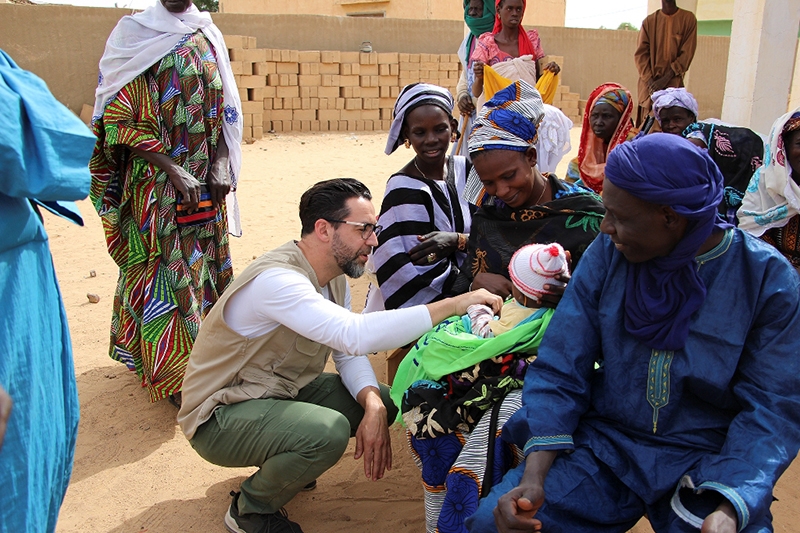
(170, 276)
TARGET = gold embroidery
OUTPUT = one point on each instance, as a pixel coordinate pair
(479, 263)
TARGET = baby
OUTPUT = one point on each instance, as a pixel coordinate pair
(531, 267)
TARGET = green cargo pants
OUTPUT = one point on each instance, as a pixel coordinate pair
(292, 441)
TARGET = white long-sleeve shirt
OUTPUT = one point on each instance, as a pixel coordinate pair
(279, 296)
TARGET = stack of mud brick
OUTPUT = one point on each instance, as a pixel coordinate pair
(290, 90)
(569, 103)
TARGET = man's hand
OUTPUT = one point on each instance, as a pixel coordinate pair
(660, 83)
(494, 283)
(516, 509)
(5, 412)
(722, 520)
(465, 105)
(372, 437)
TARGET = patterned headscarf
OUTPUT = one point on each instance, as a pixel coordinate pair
(525, 46)
(772, 197)
(616, 98)
(674, 97)
(662, 294)
(592, 153)
(509, 121)
(411, 97)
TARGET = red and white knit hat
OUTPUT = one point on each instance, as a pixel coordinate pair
(535, 265)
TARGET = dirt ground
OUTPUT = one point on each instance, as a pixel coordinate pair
(135, 472)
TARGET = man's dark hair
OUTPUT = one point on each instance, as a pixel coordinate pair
(328, 200)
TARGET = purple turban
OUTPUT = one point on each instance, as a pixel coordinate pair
(662, 294)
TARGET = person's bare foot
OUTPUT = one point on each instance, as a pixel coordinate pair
(175, 399)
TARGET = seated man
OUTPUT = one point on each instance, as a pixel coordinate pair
(255, 393)
(668, 381)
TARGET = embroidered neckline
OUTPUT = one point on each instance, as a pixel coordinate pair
(718, 250)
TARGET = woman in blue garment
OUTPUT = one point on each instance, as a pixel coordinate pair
(44, 152)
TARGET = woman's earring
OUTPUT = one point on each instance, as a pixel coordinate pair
(406, 144)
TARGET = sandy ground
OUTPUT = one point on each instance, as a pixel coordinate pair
(134, 470)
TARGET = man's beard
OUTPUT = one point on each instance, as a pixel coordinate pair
(347, 259)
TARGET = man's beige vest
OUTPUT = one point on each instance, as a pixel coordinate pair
(227, 368)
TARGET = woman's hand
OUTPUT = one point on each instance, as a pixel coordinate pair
(494, 283)
(552, 67)
(187, 185)
(218, 180)
(551, 300)
(465, 105)
(439, 243)
(477, 69)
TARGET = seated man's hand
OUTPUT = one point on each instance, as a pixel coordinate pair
(494, 283)
(722, 520)
(439, 243)
(5, 412)
(516, 509)
(373, 441)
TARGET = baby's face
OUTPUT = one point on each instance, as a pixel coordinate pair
(523, 300)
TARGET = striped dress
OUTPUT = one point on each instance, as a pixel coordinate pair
(415, 206)
(169, 276)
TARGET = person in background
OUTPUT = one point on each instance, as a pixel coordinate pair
(44, 151)
(511, 50)
(606, 124)
(667, 42)
(677, 398)
(738, 152)
(771, 205)
(479, 18)
(168, 121)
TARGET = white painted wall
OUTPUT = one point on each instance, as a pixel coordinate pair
(760, 62)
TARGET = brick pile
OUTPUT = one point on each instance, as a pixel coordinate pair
(291, 90)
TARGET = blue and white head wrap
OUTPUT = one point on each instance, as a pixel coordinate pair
(509, 120)
(411, 97)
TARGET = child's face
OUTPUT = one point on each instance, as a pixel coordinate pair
(523, 300)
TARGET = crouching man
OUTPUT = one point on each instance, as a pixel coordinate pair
(255, 393)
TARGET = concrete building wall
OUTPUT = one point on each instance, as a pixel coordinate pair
(63, 45)
(538, 12)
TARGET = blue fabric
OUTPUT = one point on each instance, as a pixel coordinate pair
(584, 496)
(663, 293)
(723, 410)
(44, 153)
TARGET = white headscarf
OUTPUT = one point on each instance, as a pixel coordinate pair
(673, 97)
(772, 197)
(139, 41)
